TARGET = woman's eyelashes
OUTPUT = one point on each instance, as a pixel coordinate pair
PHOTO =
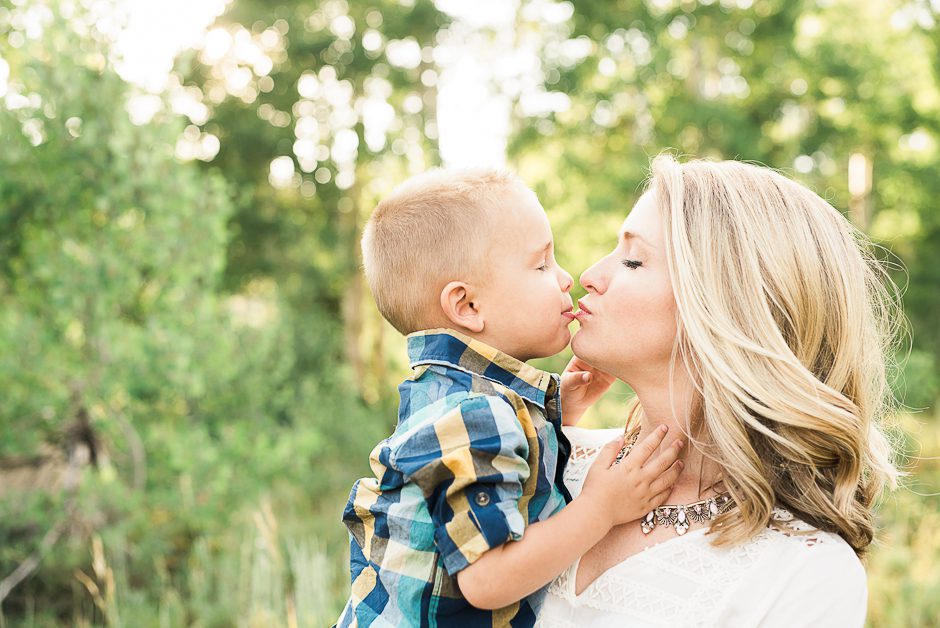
(631, 263)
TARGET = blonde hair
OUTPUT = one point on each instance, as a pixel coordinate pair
(432, 229)
(785, 324)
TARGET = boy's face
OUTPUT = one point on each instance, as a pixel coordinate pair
(525, 299)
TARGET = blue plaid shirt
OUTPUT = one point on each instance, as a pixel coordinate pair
(477, 455)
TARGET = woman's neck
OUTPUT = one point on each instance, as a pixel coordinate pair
(676, 407)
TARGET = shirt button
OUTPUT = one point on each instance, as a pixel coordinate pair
(482, 499)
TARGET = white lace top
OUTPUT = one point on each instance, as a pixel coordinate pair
(795, 576)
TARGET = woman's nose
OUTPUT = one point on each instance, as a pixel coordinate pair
(592, 279)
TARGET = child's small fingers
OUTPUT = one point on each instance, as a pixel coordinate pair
(608, 453)
(650, 444)
(664, 459)
(666, 480)
(660, 498)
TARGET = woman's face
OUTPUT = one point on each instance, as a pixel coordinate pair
(628, 318)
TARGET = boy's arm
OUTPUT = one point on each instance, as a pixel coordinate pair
(581, 386)
(612, 494)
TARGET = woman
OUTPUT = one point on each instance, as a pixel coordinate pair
(745, 311)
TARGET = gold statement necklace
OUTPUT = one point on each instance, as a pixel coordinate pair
(679, 516)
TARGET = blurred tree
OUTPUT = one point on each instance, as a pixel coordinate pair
(338, 106)
(193, 333)
(115, 340)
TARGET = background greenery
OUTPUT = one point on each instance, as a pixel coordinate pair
(192, 372)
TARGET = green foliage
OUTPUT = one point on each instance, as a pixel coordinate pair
(115, 329)
(903, 579)
(108, 273)
(302, 234)
(202, 328)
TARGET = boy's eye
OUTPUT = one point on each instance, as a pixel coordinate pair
(631, 263)
(542, 267)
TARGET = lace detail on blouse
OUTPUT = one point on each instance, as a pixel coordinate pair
(585, 445)
(578, 465)
(783, 522)
(580, 452)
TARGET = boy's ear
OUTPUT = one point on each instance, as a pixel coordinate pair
(457, 301)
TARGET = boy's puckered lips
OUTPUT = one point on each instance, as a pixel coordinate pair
(569, 313)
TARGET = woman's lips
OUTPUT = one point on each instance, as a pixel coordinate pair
(583, 312)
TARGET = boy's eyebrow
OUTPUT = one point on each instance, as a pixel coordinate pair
(547, 247)
(542, 251)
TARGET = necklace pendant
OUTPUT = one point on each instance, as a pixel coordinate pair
(682, 523)
(648, 523)
(679, 516)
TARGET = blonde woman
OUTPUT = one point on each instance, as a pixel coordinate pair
(745, 311)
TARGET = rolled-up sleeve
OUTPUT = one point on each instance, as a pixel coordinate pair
(471, 465)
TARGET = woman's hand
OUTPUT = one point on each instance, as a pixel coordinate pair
(581, 386)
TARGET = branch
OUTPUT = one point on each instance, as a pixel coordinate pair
(77, 459)
(29, 565)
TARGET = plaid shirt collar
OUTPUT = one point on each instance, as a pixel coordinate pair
(451, 348)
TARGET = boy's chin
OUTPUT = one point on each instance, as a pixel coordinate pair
(544, 349)
(558, 345)
(579, 345)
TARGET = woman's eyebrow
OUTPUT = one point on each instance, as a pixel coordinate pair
(627, 235)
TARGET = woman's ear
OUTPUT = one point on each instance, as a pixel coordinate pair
(460, 308)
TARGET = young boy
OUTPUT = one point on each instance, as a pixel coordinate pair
(466, 518)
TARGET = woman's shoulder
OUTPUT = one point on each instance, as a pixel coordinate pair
(805, 575)
(798, 548)
(795, 533)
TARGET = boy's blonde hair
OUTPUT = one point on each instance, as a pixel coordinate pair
(786, 323)
(432, 229)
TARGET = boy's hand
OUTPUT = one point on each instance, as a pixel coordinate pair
(581, 386)
(628, 490)
(612, 494)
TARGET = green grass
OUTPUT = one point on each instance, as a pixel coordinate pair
(263, 572)
(903, 578)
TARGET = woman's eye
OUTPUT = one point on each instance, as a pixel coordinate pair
(631, 263)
